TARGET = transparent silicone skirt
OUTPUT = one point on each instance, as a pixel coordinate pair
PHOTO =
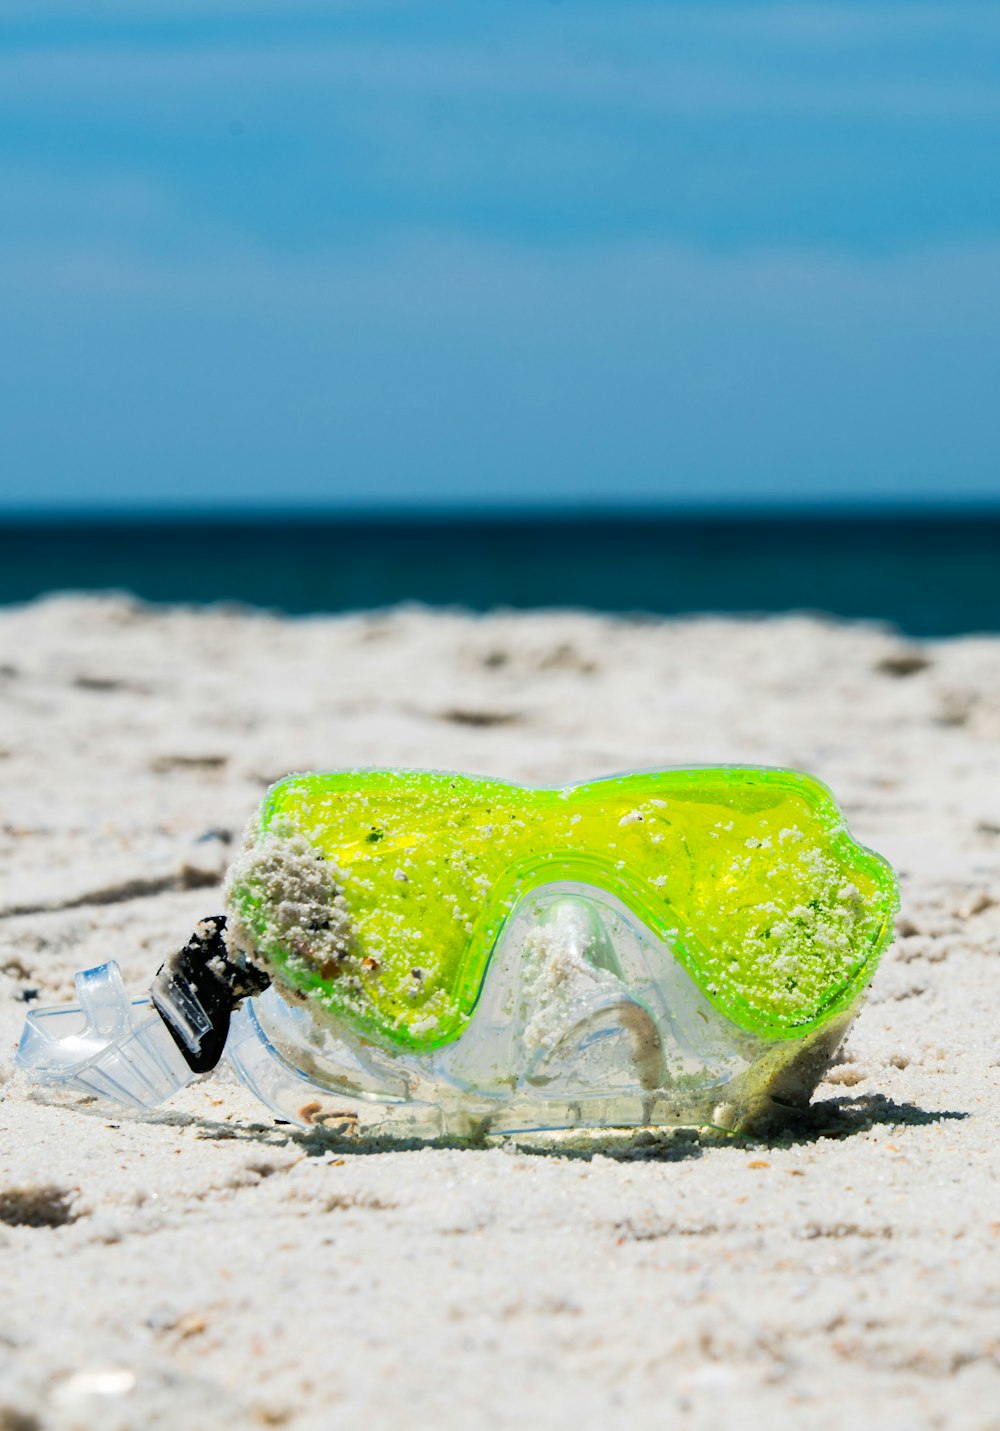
(585, 1019)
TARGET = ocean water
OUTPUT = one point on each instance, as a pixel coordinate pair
(930, 574)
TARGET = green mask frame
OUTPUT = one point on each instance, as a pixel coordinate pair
(378, 896)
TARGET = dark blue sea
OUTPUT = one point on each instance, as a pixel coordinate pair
(928, 573)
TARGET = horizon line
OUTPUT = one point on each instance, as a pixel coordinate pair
(497, 512)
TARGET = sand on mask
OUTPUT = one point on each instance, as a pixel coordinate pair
(451, 955)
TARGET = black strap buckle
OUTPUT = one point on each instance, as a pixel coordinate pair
(196, 990)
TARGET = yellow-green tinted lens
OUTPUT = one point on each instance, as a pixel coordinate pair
(749, 875)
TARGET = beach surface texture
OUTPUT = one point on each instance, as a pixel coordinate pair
(206, 1266)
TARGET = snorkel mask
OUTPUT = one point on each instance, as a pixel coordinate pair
(421, 954)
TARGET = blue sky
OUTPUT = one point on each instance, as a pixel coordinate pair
(493, 251)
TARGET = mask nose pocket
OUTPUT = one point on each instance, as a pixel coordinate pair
(554, 1013)
(581, 1002)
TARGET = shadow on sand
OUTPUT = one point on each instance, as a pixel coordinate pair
(832, 1118)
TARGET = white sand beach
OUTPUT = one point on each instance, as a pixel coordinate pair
(207, 1267)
